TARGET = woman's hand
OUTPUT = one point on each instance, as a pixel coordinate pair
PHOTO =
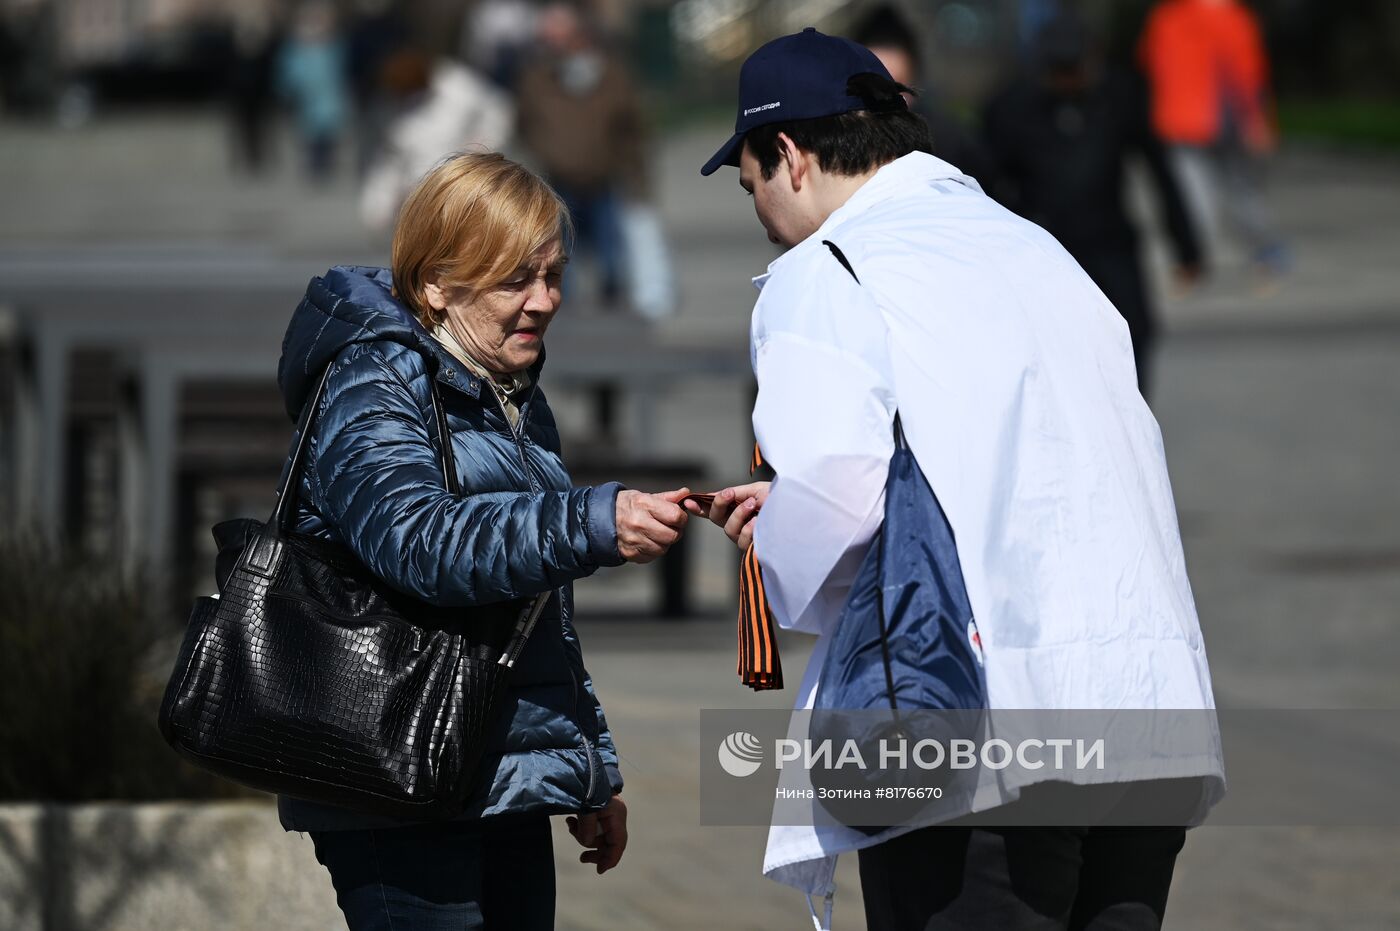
(648, 525)
(604, 833)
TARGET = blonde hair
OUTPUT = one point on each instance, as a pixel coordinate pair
(472, 222)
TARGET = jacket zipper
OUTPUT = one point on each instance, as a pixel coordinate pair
(516, 432)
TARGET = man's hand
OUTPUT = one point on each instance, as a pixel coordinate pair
(733, 511)
(648, 525)
(604, 833)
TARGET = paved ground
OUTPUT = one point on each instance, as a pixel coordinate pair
(1279, 415)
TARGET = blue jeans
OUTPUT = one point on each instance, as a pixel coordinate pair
(598, 223)
(455, 876)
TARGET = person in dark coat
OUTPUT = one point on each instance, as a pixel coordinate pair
(886, 33)
(477, 262)
(1062, 135)
(375, 34)
(251, 89)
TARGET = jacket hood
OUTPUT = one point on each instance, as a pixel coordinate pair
(354, 304)
(347, 305)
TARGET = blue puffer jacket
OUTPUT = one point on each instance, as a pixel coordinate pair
(373, 482)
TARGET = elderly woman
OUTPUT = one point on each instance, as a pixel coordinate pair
(478, 257)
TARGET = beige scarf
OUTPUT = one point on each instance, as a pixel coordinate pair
(508, 387)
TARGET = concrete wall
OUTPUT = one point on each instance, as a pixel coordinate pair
(170, 865)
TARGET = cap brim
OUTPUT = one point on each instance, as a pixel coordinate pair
(728, 154)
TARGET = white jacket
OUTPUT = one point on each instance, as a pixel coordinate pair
(459, 110)
(1014, 378)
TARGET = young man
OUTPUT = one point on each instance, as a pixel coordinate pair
(1013, 377)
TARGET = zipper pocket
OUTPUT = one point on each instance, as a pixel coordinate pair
(420, 636)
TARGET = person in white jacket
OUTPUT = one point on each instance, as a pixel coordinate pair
(1013, 376)
(442, 107)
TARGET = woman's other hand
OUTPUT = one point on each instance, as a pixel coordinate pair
(648, 525)
(733, 511)
(604, 833)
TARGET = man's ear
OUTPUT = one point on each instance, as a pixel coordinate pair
(795, 158)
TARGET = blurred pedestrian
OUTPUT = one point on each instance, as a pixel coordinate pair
(30, 66)
(312, 78)
(376, 32)
(434, 109)
(497, 37)
(1062, 134)
(886, 33)
(251, 86)
(1209, 72)
(1034, 16)
(580, 118)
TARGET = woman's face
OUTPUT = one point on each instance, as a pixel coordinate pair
(503, 326)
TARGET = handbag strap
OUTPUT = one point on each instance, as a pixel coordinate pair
(285, 512)
(444, 433)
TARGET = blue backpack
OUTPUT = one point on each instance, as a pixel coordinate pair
(906, 641)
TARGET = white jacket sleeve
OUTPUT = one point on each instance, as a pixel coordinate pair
(824, 421)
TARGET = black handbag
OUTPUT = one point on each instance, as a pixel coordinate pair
(307, 676)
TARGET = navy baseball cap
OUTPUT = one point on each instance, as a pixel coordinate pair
(797, 77)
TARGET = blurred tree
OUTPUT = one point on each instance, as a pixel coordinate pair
(83, 662)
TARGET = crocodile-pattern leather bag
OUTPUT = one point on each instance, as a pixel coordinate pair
(309, 677)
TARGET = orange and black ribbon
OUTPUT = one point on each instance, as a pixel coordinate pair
(756, 462)
(759, 665)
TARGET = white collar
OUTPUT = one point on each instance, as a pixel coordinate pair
(891, 179)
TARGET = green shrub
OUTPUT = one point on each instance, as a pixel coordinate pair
(83, 661)
(1359, 122)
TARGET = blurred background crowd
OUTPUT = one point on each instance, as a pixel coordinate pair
(173, 171)
(300, 126)
(1033, 97)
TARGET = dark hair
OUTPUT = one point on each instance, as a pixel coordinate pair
(885, 27)
(849, 143)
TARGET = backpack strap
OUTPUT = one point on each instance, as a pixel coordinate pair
(899, 440)
(841, 257)
(900, 443)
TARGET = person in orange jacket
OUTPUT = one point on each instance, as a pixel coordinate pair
(1209, 74)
